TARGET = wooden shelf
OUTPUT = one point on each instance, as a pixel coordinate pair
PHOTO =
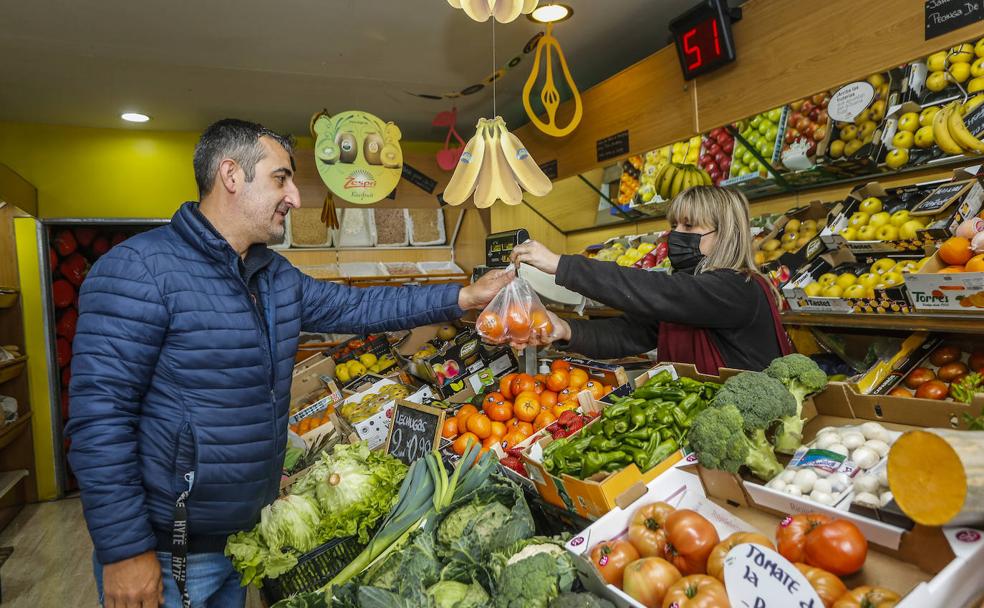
(9, 479)
(12, 369)
(956, 324)
(10, 432)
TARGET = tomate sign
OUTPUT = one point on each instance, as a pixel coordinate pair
(758, 577)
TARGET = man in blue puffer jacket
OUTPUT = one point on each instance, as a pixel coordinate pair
(182, 368)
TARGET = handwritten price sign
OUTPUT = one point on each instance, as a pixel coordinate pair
(758, 577)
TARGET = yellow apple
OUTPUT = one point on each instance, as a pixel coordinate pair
(850, 233)
(814, 289)
(864, 116)
(882, 266)
(868, 233)
(880, 219)
(887, 232)
(789, 236)
(961, 54)
(878, 110)
(977, 68)
(855, 292)
(759, 258)
(848, 133)
(832, 291)
(836, 148)
(852, 146)
(866, 129)
(905, 267)
(976, 85)
(792, 226)
(979, 48)
(909, 122)
(858, 219)
(891, 279)
(808, 226)
(900, 217)
(959, 72)
(868, 279)
(936, 62)
(926, 116)
(846, 280)
(924, 137)
(771, 245)
(923, 262)
(897, 158)
(907, 231)
(790, 246)
(937, 81)
(827, 279)
(870, 205)
(903, 139)
(876, 80)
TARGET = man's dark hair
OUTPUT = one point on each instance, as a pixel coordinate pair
(235, 139)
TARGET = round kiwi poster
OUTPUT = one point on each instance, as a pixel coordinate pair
(358, 156)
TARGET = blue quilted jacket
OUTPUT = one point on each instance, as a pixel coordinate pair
(173, 375)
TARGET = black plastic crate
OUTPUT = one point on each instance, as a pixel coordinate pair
(549, 520)
(314, 569)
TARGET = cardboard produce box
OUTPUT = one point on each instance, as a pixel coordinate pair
(890, 299)
(956, 292)
(957, 582)
(928, 548)
(313, 388)
(793, 260)
(374, 429)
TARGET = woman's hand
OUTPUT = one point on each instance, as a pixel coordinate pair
(536, 255)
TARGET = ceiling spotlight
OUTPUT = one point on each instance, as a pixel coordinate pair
(134, 117)
(551, 13)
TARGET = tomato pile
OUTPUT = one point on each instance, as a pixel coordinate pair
(674, 557)
(948, 372)
(523, 405)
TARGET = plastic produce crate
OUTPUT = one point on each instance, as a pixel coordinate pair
(314, 569)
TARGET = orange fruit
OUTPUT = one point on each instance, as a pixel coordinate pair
(493, 398)
(480, 425)
(511, 424)
(558, 380)
(560, 364)
(560, 408)
(450, 428)
(543, 419)
(521, 383)
(541, 378)
(525, 428)
(461, 443)
(975, 264)
(505, 385)
(950, 269)
(498, 429)
(539, 319)
(955, 251)
(500, 412)
(597, 388)
(526, 407)
(468, 408)
(511, 439)
(489, 325)
(579, 378)
(517, 322)
(548, 398)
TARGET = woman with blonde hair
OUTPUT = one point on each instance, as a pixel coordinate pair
(714, 310)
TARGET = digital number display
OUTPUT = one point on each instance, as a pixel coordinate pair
(703, 38)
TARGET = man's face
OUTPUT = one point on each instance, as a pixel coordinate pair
(271, 195)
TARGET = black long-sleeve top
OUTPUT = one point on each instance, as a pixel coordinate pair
(731, 305)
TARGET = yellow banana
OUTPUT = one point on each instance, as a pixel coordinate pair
(506, 187)
(677, 183)
(466, 174)
(529, 175)
(486, 191)
(941, 134)
(666, 185)
(961, 134)
(659, 176)
(706, 177)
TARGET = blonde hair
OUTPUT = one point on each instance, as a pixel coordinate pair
(725, 211)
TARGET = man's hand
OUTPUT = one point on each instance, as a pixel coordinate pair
(560, 331)
(133, 583)
(536, 255)
(480, 293)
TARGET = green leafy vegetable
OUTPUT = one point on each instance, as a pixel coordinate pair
(580, 600)
(531, 573)
(452, 594)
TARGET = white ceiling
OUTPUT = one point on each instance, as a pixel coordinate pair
(187, 63)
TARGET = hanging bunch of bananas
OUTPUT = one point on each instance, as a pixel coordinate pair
(950, 132)
(674, 178)
(495, 166)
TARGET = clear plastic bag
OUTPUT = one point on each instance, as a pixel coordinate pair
(513, 315)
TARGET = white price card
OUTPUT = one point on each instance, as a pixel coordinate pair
(758, 577)
(850, 100)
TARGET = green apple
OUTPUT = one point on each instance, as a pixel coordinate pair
(926, 116)
(848, 132)
(868, 279)
(897, 158)
(814, 289)
(909, 122)
(870, 205)
(888, 232)
(858, 219)
(850, 233)
(909, 229)
(827, 279)
(867, 233)
(774, 115)
(846, 280)
(936, 62)
(924, 137)
(900, 217)
(892, 278)
(855, 292)
(832, 291)
(903, 139)
(882, 266)
(880, 219)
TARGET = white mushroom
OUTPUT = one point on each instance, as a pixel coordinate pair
(777, 484)
(873, 430)
(852, 440)
(804, 480)
(823, 498)
(839, 448)
(886, 497)
(792, 490)
(867, 499)
(866, 484)
(826, 440)
(865, 457)
(883, 477)
(788, 475)
(877, 445)
(827, 429)
(823, 485)
(839, 482)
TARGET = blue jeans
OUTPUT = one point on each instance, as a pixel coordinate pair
(212, 581)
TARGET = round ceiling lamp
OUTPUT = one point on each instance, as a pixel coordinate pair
(551, 13)
(134, 117)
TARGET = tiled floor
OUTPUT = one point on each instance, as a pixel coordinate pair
(52, 561)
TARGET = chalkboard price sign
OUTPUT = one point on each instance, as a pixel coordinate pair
(612, 146)
(941, 197)
(944, 16)
(414, 431)
(415, 177)
(975, 121)
(549, 169)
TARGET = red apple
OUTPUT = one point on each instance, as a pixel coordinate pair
(822, 116)
(820, 133)
(706, 158)
(728, 146)
(807, 106)
(812, 149)
(815, 114)
(809, 130)
(817, 99)
(796, 105)
(714, 149)
(723, 138)
(792, 135)
(802, 124)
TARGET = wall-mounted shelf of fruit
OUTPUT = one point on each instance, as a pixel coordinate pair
(913, 322)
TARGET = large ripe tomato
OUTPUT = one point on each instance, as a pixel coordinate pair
(648, 579)
(715, 562)
(523, 383)
(836, 546)
(646, 529)
(697, 591)
(611, 558)
(690, 540)
(505, 385)
(828, 587)
(558, 380)
(489, 325)
(868, 597)
(526, 406)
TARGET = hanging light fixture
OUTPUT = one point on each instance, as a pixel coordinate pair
(504, 11)
(551, 13)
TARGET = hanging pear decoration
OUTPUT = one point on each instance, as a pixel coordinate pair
(504, 11)
(495, 166)
(548, 94)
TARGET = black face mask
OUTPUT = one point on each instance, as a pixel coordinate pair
(684, 250)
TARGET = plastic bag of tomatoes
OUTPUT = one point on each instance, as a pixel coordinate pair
(513, 314)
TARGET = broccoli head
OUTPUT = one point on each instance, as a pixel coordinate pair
(719, 439)
(802, 377)
(761, 399)
(580, 600)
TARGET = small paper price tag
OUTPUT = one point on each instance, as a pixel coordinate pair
(758, 577)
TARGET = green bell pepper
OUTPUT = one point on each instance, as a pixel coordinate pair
(595, 461)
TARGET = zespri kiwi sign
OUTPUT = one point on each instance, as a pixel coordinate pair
(358, 155)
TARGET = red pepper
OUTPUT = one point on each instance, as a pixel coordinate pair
(85, 235)
(63, 352)
(62, 293)
(65, 243)
(560, 433)
(52, 259)
(100, 246)
(65, 327)
(74, 268)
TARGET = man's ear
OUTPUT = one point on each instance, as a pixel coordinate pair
(228, 170)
